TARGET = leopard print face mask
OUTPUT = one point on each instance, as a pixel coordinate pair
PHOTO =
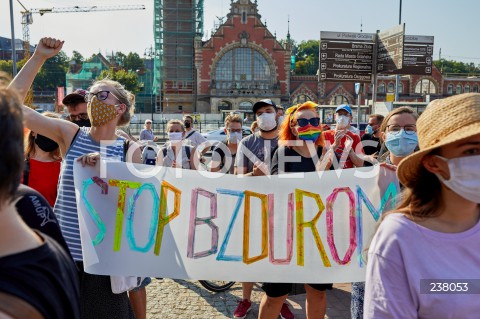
(100, 113)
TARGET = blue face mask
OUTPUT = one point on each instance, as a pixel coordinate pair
(369, 130)
(401, 144)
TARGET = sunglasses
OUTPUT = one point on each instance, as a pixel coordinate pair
(314, 121)
(101, 96)
(81, 116)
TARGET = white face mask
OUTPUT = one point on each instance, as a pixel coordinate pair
(280, 119)
(266, 121)
(234, 137)
(175, 136)
(464, 176)
(342, 121)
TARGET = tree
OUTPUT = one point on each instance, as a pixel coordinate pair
(6, 66)
(77, 57)
(128, 79)
(52, 74)
(119, 58)
(133, 62)
(446, 66)
(307, 51)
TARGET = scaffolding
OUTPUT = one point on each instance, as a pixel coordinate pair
(176, 24)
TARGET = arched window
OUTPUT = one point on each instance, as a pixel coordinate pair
(338, 100)
(245, 105)
(459, 89)
(224, 105)
(381, 88)
(475, 88)
(450, 89)
(243, 68)
(466, 89)
(302, 98)
(425, 86)
(391, 87)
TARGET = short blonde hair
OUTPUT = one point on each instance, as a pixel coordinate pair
(233, 118)
(172, 122)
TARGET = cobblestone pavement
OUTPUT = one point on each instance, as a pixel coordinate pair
(181, 299)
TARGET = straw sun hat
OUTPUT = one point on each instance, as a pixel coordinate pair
(444, 121)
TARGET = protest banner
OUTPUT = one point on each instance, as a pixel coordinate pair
(163, 222)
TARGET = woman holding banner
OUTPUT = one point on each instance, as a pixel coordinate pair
(300, 136)
(109, 106)
(423, 261)
(399, 135)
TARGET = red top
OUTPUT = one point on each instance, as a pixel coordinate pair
(43, 177)
(330, 139)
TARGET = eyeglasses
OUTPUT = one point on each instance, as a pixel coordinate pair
(395, 129)
(315, 121)
(81, 116)
(234, 130)
(101, 96)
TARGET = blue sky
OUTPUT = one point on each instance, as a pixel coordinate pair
(454, 24)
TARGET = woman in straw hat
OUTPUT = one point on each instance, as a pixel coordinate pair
(425, 256)
(398, 133)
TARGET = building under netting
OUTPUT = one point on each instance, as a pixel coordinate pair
(176, 25)
(83, 75)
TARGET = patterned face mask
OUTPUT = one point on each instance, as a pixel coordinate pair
(100, 113)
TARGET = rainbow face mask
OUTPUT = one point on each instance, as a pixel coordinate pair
(309, 133)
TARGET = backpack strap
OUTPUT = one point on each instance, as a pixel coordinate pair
(17, 308)
(190, 134)
(188, 151)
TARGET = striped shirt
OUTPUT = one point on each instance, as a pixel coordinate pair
(66, 206)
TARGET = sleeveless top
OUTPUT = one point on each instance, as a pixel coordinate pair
(66, 206)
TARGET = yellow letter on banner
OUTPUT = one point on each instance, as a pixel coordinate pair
(122, 185)
(299, 194)
(163, 218)
(246, 228)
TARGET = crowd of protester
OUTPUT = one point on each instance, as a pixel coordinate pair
(431, 234)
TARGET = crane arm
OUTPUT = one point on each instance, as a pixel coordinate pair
(42, 11)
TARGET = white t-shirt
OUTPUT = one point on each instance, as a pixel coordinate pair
(195, 137)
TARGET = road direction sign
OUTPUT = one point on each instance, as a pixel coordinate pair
(346, 56)
(417, 55)
(346, 76)
(390, 49)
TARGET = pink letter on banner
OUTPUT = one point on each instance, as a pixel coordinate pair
(353, 226)
(195, 221)
(273, 260)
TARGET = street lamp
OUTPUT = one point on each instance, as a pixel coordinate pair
(397, 77)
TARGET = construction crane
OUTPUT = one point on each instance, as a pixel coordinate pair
(27, 19)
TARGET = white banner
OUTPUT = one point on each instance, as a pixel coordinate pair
(306, 227)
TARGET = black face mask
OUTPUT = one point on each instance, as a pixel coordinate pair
(83, 123)
(188, 124)
(45, 144)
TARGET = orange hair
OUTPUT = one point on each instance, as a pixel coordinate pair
(285, 133)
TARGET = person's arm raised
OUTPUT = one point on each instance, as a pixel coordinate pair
(58, 130)
(46, 48)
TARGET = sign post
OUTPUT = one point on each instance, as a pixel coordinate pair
(359, 99)
(346, 56)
